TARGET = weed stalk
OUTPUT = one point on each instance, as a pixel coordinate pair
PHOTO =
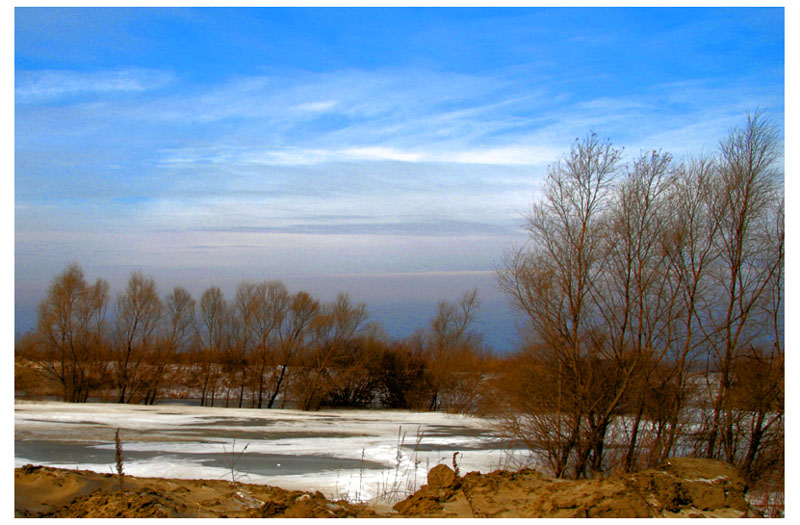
(232, 459)
(119, 459)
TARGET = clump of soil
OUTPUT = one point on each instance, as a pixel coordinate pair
(678, 488)
(45, 492)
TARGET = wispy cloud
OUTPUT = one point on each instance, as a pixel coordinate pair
(43, 85)
(315, 107)
(530, 155)
(302, 153)
(413, 116)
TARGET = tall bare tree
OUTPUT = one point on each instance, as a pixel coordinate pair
(754, 415)
(178, 330)
(636, 300)
(325, 361)
(688, 242)
(271, 308)
(214, 339)
(553, 285)
(71, 324)
(137, 319)
(293, 334)
(243, 323)
(749, 183)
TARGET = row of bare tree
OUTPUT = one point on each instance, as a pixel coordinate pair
(651, 295)
(263, 348)
(653, 299)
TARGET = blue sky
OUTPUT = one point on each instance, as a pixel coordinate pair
(390, 153)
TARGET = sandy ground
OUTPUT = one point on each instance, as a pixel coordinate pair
(679, 488)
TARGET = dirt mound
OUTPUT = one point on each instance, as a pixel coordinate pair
(58, 493)
(678, 488)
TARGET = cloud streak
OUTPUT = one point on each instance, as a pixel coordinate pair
(530, 155)
(405, 149)
(48, 85)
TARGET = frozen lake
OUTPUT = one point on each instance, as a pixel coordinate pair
(359, 454)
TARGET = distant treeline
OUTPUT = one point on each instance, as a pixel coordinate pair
(265, 347)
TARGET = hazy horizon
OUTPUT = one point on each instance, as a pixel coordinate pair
(388, 153)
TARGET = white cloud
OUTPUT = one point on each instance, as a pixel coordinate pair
(407, 116)
(379, 153)
(533, 155)
(427, 117)
(37, 86)
(316, 107)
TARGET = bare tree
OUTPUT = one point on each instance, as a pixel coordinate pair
(636, 300)
(214, 335)
(326, 362)
(757, 382)
(451, 345)
(553, 285)
(292, 335)
(71, 325)
(688, 242)
(748, 183)
(271, 308)
(177, 332)
(137, 319)
(630, 283)
(243, 321)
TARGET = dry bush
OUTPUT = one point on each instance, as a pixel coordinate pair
(403, 377)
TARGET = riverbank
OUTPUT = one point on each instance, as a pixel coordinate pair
(679, 488)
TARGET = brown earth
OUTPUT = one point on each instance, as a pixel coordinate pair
(679, 488)
(58, 493)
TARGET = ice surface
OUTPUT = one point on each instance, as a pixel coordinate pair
(358, 454)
